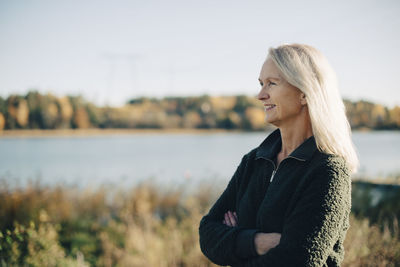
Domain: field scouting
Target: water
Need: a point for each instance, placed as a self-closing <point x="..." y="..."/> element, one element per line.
<point x="169" y="158"/>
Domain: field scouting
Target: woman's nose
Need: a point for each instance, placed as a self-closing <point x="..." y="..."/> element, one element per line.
<point x="263" y="95"/>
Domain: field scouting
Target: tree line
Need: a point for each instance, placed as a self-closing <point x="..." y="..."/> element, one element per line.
<point x="46" y="111"/>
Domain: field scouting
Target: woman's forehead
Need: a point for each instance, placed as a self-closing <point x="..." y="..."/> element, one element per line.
<point x="269" y="71"/>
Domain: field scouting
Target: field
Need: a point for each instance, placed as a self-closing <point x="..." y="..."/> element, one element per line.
<point x="147" y="225"/>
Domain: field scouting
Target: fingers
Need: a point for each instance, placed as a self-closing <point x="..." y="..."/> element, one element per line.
<point x="230" y="219"/>
<point x="233" y="218"/>
<point x="226" y="220"/>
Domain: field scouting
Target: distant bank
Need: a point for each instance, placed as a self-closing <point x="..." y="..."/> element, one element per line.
<point x="119" y="131"/>
<point x="105" y="132"/>
<point x="246" y="113"/>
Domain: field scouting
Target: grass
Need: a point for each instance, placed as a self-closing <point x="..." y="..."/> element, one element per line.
<point x="145" y="225"/>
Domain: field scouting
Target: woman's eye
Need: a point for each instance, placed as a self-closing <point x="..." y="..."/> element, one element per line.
<point x="271" y="83"/>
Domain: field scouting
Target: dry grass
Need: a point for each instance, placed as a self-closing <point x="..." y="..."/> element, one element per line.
<point x="368" y="245"/>
<point x="143" y="226"/>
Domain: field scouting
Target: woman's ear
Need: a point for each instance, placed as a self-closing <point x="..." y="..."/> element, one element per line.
<point x="303" y="99"/>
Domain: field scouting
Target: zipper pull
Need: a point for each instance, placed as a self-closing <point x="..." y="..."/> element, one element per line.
<point x="272" y="176"/>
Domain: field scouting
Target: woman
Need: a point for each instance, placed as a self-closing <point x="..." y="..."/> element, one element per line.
<point x="288" y="202"/>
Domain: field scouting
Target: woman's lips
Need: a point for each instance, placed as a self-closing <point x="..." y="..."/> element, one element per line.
<point x="269" y="106"/>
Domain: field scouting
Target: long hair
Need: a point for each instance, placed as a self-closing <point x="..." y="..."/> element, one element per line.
<point x="307" y="69"/>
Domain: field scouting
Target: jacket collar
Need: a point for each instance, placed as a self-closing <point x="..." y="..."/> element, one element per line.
<point x="270" y="147"/>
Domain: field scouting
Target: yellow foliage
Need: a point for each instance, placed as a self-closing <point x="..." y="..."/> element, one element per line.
<point x="256" y="117"/>
<point x="395" y="115"/>
<point x="234" y="117"/>
<point x="81" y="118"/>
<point x="191" y="120"/>
<point x="18" y="109"/>
<point x="66" y="110"/>
<point x="2" y="121"/>
<point x="223" y="102"/>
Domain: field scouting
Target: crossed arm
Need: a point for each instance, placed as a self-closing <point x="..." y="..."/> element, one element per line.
<point x="263" y="242"/>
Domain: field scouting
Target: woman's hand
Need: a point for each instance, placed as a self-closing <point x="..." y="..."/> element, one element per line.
<point x="230" y="219"/>
<point x="265" y="241"/>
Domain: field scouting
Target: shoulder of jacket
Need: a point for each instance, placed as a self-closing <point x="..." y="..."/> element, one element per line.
<point x="330" y="164"/>
<point x="251" y="155"/>
<point x="330" y="161"/>
<point x="248" y="159"/>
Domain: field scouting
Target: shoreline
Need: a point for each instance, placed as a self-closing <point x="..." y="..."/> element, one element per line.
<point x="39" y="133"/>
<point x="29" y="133"/>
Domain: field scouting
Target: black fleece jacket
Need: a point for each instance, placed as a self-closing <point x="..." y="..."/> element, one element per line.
<point x="308" y="201"/>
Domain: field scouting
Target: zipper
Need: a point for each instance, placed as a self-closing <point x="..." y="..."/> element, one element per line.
<point x="274" y="171"/>
<point x="272" y="176"/>
<point x="276" y="168"/>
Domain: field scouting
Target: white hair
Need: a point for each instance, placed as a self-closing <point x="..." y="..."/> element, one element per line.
<point x="307" y="69"/>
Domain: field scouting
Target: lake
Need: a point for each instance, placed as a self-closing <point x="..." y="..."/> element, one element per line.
<point x="170" y="158"/>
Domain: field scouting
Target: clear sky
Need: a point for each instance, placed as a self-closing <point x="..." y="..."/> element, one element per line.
<point x="111" y="51"/>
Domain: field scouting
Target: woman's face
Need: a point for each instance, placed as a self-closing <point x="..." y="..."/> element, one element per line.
<point x="282" y="101"/>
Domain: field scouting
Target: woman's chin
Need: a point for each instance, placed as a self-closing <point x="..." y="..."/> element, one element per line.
<point x="270" y="120"/>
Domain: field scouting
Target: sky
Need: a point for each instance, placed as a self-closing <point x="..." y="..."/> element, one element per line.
<point x="113" y="51"/>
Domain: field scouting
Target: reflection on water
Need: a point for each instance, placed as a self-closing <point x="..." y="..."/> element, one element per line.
<point x="166" y="157"/>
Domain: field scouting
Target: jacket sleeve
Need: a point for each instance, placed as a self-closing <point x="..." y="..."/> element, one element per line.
<point x="314" y="225"/>
<point x="217" y="240"/>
